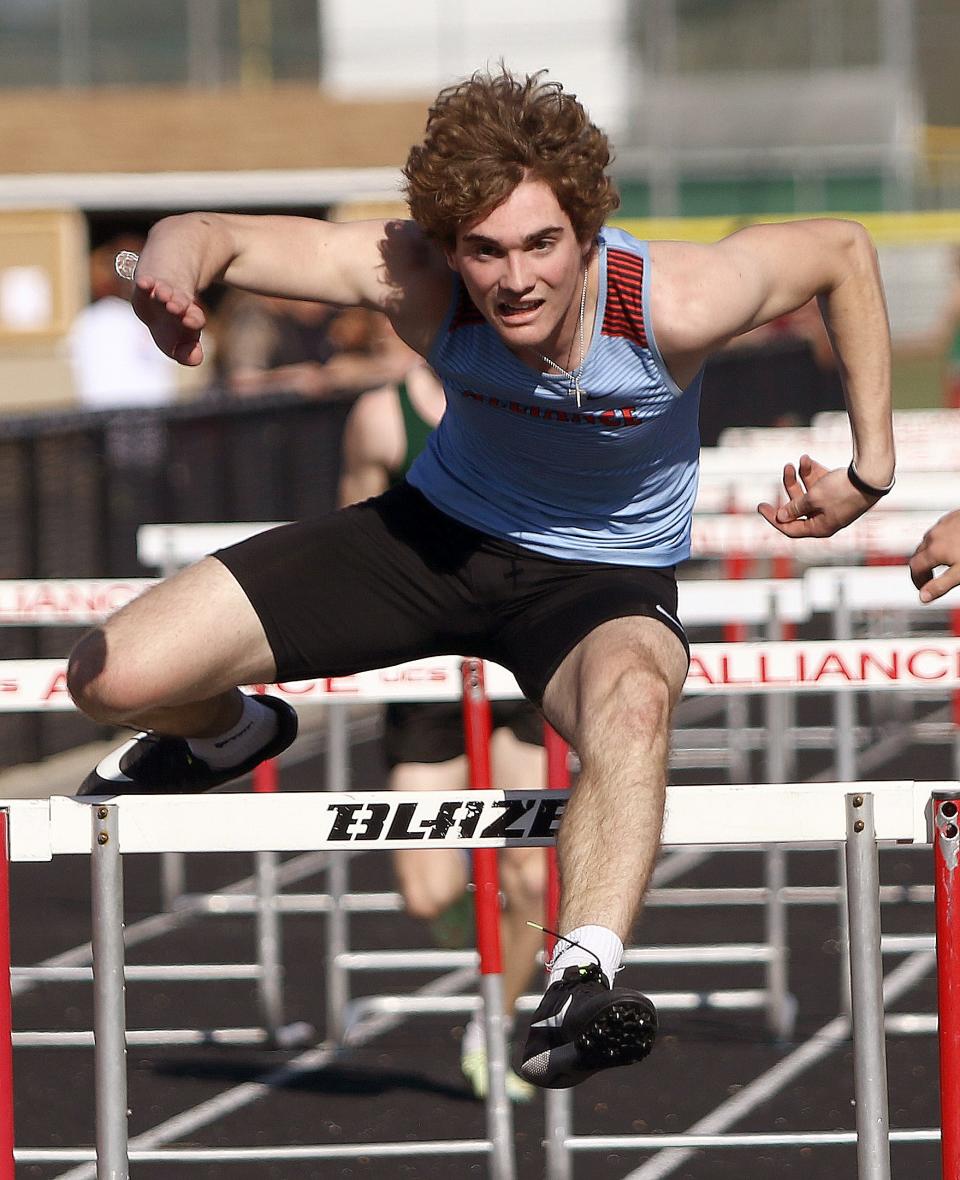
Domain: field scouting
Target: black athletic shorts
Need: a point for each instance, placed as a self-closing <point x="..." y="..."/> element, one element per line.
<point x="394" y="579"/>
<point x="419" y="731"/>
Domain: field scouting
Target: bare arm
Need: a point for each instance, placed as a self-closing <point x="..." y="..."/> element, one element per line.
<point x="713" y="293"/>
<point x="373" y="445"/>
<point x="940" y="546"/>
<point x="386" y="266"/>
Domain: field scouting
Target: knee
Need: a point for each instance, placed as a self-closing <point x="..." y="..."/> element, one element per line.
<point x="430" y="882"/>
<point x="632" y="711"/>
<point x="524" y="879"/>
<point x="99" y="688"/>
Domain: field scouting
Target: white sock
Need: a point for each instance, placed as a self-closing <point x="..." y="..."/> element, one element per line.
<point x="257" y="725"/>
<point x="604" y="944"/>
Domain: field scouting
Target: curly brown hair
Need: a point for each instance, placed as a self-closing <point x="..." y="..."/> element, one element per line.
<point x="486" y="134"/>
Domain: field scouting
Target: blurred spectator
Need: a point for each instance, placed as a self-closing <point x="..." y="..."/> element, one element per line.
<point x="268" y="345"/>
<point x="424" y="743"/>
<point x="114" y="360"/>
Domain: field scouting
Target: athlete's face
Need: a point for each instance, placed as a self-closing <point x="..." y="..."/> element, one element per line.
<point x="523" y="267"/>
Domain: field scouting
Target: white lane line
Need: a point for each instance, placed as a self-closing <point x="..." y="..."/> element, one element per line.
<point x="820" y="1045"/>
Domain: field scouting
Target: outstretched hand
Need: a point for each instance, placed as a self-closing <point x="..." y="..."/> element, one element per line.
<point x="820" y="501"/>
<point x="173" y="316"/>
<point x="940" y="546"/>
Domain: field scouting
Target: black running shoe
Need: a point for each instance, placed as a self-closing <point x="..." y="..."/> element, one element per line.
<point x="151" y="763"/>
<point x="582" y="1026"/>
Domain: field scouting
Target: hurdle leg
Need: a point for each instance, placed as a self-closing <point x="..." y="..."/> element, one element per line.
<point x="845" y="768"/>
<point x="781" y="1007"/>
<point x="268" y="931"/>
<point x="558" y="1104"/>
<point x="7" y="1168"/>
<point x="866" y="988"/>
<point x="337" y="979"/>
<point x="946" y="853"/>
<point x="486" y="900"/>
<point x="109" y="1003"/>
<point x="173" y="879"/>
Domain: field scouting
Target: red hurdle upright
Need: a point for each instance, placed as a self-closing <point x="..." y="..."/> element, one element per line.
<point x="6" y="1009"/>
<point x="558" y="779"/>
<point x="946" y="852"/>
<point x="478" y="726"/>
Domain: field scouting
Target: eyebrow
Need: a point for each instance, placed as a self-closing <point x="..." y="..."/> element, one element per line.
<point x="534" y="237"/>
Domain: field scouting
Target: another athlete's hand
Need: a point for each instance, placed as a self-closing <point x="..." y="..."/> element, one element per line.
<point x="940" y="546"/>
<point x="173" y="316"/>
<point x="820" y="501"/>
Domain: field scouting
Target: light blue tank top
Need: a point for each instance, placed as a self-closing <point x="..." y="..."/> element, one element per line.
<point x="614" y="481"/>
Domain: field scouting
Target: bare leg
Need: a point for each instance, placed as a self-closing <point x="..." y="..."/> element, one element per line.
<point x="171" y="659"/>
<point x="430" y="881"/>
<point x="612" y="698"/>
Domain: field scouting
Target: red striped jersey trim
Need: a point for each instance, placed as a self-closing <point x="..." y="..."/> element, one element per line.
<point x="465" y="314"/>
<point x="620" y="416"/>
<point x="623" y="314"/>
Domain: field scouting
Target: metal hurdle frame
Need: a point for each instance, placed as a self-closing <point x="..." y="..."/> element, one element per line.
<point x="715" y="668"/>
<point x="83" y="602"/>
<point x="785" y="813"/>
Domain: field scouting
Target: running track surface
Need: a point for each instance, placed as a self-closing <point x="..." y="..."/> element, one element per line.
<point x="405" y="1083"/>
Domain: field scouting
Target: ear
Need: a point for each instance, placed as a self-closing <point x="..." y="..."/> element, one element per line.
<point x="451" y="256"/>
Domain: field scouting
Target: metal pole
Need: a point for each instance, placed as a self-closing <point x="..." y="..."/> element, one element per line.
<point x="7" y="1169"/>
<point x="558" y="1104"/>
<point x="173" y="879"/>
<point x="109" y="1007"/>
<point x="946" y="852"/>
<point x="269" y="953"/>
<point x="845" y="741"/>
<point x="477" y="725"/>
<point x="780" y="1006"/>
<point x="338" y="884"/>
<point x="268" y="931"/>
<point x="866" y="988"/>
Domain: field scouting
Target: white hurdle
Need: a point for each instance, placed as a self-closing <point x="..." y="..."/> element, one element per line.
<point x="106" y="830"/>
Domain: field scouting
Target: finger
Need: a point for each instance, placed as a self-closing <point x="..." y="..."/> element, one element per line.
<point x="794" y="510"/>
<point x="791" y="484"/>
<point x="194" y="317"/>
<point x="793" y="528"/>
<point x="921" y="569"/>
<point x="937" y="587"/>
<point x="189" y="352"/>
<point x="811" y="471"/>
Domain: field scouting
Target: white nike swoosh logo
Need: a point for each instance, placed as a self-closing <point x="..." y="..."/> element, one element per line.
<point x="109" y="767"/>
<point x="667" y="615"/>
<point x="556" y="1019"/>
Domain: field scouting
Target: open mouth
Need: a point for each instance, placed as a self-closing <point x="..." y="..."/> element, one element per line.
<point x="519" y="311"/>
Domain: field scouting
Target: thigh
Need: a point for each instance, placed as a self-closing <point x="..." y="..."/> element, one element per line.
<point x="365" y="587"/>
<point x="563" y="603"/>
<point x="192" y="636"/>
<point x="617" y="687"/>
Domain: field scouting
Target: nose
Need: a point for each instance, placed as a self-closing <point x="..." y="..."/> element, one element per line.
<point x="517" y="278"/>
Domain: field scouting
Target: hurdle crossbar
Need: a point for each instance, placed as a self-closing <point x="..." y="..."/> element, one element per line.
<point x="846" y="813"/>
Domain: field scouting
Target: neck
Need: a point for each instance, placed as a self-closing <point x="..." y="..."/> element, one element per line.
<point x="563" y="345"/>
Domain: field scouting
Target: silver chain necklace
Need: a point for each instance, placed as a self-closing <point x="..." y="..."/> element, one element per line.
<point x="574" y="376"/>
